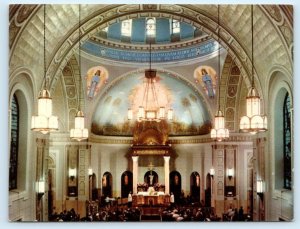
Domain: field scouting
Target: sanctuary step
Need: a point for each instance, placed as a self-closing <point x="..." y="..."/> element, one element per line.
<point x="150" y="213"/>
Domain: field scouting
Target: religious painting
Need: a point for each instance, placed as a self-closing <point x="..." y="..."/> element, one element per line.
<point x="126" y="184"/>
<point x="190" y="116"/>
<point x="175" y="185"/>
<point x="208" y="190"/>
<point x="206" y="76"/>
<point x="107" y="184"/>
<point x="195" y="187"/>
<point x="95" y="77"/>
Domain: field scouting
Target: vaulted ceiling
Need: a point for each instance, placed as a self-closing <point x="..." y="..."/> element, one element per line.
<point x="273" y="34"/>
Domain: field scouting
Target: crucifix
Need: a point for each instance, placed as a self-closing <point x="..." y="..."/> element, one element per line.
<point x="150" y="167"/>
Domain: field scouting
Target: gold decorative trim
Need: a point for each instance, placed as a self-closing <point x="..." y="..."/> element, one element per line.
<point x="173" y="140"/>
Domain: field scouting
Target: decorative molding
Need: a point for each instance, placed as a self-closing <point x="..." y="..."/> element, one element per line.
<point x="70" y="75"/>
<point x="144" y="47"/>
<point x="19" y="14"/>
<point x="203" y="22"/>
<point x="238" y="138"/>
<point x="180" y="53"/>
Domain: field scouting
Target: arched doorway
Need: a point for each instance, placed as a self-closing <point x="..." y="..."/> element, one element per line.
<point x="208" y="190"/>
<point x="126" y="183"/>
<point x="151" y="178"/>
<point x="195" y="187"/>
<point x="107" y="184"/>
<point x="93" y="187"/>
<point x="50" y="192"/>
<point x="175" y="185"/>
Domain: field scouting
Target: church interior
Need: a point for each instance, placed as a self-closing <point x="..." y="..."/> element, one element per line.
<point x="150" y="112"/>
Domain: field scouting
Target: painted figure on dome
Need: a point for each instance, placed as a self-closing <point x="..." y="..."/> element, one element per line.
<point x="208" y="84"/>
<point x="93" y="86"/>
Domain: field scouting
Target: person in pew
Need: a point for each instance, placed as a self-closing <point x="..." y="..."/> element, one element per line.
<point x="129" y="200"/>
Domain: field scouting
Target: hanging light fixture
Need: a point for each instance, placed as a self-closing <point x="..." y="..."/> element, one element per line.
<point x="150" y="110"/>
<point x="79" y="133"/>
<point x="253" y="122"/>
<point x="219" y="133"/>
<point x="44" y="122"/>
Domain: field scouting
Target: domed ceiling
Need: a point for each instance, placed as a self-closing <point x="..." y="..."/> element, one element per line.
<point x="171" y="40"/>
<point x="134" y="31"/>
<point x="190" y="114"/>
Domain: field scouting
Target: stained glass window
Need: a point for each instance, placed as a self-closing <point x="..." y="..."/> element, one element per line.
<point x="126" y="28"/>
<point x="14" y="140"/>
<point x="150" y="27"/>
<point x="287" y="142"/>
<point x="175" y="26"/>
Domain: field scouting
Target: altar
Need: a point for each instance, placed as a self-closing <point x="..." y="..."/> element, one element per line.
<point x="150" y="200"/>
<point x="150" y="149"/>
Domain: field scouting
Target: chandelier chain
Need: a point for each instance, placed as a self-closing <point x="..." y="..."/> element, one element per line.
<point x="252" y="59"/>
<point x="45" y="78"/>
<point x="219" y="63"/>
<point x="79" y="57"/>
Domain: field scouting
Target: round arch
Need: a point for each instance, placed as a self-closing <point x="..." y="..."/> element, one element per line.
<point x="195" y="187"/>
<point x="175" y="185"/>
<point x="200" y="19"/>
<point x="107" y="183"/>
<point x="279" y="87"/>
<point x="21" y="86"/>
<point x="126" y="183"/>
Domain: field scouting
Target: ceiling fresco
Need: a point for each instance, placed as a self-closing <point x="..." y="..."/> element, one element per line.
<point x="190" y="114"/>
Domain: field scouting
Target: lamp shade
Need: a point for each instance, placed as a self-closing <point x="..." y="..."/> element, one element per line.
<point x="253" y="103"/>
<point x="129" y="114"/>
<point x="219" y="120"/>
<point x="141" y="113"/>
<point x="44" y="122"/>
<point x="212" y="171"/>
<point x="161" y="114"/>
<point x="245" y="123"/>
<point x="259" y="186"/>
<point x="219" y="133"/>
<point x="44" y="103"/>
<point x="150" y="114"/>
<point x="79" y="133"/>
<point x="230" y="172"/>
<point x="170" y="114"/>
<point x="72" y="172"/>
<point x="40" y="187"/>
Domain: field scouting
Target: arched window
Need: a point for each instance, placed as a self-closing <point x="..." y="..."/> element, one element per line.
<point x="287" y="142"/>
<point x="126" y="28"/>
<point x="175" y="26"/>
<point x="175" y="185"/>
<point x="150" y="27"/>
<point x="14" y="143"/>
<point x="107" y="184"/>
<point x="195" y="186"/>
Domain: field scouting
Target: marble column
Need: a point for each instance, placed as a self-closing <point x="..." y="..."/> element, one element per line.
<point x="135" y="160"/>
<point x="167" y="174"/>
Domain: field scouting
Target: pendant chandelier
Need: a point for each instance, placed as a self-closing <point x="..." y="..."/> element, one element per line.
<point x="219" y="133"/>
<point x="150" y="110"/>
<point x="253" y="122"/>
<point x="44" y="122"/>
<point x="79" y="133"/>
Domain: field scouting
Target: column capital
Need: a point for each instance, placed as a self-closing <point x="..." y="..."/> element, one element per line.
<point x="135" y="158"/>
<point x="166" y="158"/>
